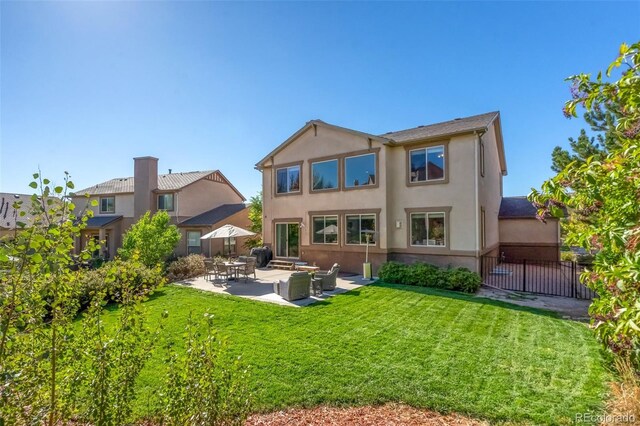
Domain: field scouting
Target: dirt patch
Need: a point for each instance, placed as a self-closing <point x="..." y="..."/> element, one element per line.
<point x="387" y="415"/>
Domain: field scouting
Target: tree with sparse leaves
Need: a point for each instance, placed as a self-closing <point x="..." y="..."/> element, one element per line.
<point x="255" y="216"/>
<point x="602" y="192"/>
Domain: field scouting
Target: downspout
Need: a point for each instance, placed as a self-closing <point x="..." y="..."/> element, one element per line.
<point x="476" y="147"/>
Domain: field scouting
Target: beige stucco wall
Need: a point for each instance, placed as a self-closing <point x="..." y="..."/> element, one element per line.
<point x="489" y="188"/>
<point x="309" y="146"/>
<point x="529" y="231"/>
<point x="124" y="205"/>
<point x="458" y="194"/>
<point x="202" y="196"/>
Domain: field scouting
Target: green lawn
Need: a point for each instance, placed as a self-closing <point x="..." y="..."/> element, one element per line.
<point x="427" y="348"/>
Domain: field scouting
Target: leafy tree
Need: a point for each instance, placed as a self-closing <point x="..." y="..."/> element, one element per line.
<point x="255" y="215"/>
<point x="153" y="237"/>
<point x="602" y="193"/>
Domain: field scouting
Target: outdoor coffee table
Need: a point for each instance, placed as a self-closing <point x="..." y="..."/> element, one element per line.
<point x="316" y="286"/>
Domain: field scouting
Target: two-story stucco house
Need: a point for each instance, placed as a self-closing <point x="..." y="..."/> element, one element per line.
<point x="430" y="193"/>
<point x="197" y="202"/>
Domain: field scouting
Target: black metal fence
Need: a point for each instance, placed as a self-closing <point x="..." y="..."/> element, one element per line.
<point x="555" y="278"/>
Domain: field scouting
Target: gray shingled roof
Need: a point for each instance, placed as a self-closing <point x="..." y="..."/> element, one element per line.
<point x="9" y="215"/>
<point x="459" y="125"/>
<point x="102" y="220"/>
<point x="168" y="182"/>
<point x="213" y="216"/>
<point x="517" y="207"/>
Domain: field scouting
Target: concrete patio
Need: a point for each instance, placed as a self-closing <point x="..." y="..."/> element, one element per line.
<point x="261" y="288"/>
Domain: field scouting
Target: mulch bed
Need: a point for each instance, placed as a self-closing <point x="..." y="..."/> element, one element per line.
<point x="387" y="415"/>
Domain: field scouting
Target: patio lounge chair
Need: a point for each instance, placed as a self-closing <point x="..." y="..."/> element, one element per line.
<point x="296" y="287"/>
<point x="329" y="277"/>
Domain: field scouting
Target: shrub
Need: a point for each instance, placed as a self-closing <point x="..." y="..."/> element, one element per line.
<point x="426" y="275"/>
<point x="394" y="272"/>
<point x="153" y="237"/>
<point x="567" y="256"/>
<point x="462" y="279"/>
<point x="186" y="267"/>
<point x="139" y="279"/>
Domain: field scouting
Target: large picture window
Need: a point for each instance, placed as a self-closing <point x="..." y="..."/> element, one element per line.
<point x="427" y="164"/>
<point x="288" y="180"/>
<point x="358" y="227"/>
<point x="325" y="229"/>
<point x="165" y="202"/>
<point x="107" y="204"/>
<point x="324" y="175"/>
<point x="428" y="229"/>
<point x="360" y="170"/>
<point x="194" y="244"/>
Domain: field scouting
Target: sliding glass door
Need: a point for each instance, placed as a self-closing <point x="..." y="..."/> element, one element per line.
<point x="287" y="239"/>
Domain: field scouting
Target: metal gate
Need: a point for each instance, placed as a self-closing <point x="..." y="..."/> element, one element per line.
<point x="555" y="278"/>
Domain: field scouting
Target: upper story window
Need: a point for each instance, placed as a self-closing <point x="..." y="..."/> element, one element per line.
<point x="325" y="229"/>
<point x="288" y="180"/>
<point x="360" y="170"/>
<point x="428" y="229"/>
<point x="324" y="175"/>
<point x="359" y="228"/>
<point x="427" y="164"/>
<point x="165" y="202"/>
<point x="107" y="204"/>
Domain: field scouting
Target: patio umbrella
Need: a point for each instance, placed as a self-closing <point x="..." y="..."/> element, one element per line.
<point x="329" y="230"/>
<point x="227" y="231"/>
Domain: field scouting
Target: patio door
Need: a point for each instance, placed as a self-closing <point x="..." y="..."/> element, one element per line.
<point x="287" y="239"/>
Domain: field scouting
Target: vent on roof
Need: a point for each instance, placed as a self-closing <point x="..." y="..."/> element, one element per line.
<point x="420" y="127"/>
<point x="456" y="119"/>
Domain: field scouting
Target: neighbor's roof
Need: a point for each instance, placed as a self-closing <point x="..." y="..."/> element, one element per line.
<point x="102" y="220"/>
<point x="8" y="215"/>
<point x="213" y="216"/>
<point x="479" y="123"/>
<point x="517" y="208"/>
<point x="167" y="182"/>
<point x="446" y="128"/>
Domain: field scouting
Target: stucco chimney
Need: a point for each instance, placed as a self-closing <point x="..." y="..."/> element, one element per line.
<point x="145" y="174"/>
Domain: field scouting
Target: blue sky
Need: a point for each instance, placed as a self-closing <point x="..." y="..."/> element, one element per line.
<point x="85" y="87"/>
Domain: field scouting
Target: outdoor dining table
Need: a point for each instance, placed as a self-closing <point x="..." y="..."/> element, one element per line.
<point x="235" y="266"/>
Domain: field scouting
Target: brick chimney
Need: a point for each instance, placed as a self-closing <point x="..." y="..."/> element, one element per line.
<point x="145" y="174"/>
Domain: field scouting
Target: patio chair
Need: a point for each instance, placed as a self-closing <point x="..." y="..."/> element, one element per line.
<point x="209" y="269"/>
<point x="249" y="268"/>
<point x="296" y="287"/>
<point x="222" y="270"/>
<point x="328" y="277"/>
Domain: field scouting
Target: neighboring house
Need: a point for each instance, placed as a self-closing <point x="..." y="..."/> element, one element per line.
<point x="523" y="236"/>
<point x="9" y="215"/>
<point x="196" y="201"/>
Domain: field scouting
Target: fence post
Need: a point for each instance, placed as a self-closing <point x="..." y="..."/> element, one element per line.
<point x="524" y="274"/>
<point x="574" y="278"/>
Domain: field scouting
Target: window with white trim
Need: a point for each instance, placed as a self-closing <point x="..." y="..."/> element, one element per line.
<point x="359" y="227"/>
<point x="428" y="229"/>
<point x="288" y="180"/>
<point x="194" y="243"/>
<point x="360" y="170"/>
<point x="325" y="229"/>
<point x="426" y="164"/>
<point x="107" y="204"/>
<point x="165" y="202"/>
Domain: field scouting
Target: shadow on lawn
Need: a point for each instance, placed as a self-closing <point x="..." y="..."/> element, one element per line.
<point x="466" y="297"/>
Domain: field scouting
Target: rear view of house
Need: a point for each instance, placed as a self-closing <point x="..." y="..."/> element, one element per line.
<point x="197" y="202"/>
<point x="430" y="193"/>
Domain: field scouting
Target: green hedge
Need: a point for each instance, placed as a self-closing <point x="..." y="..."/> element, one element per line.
<point x="425" y="275"/>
